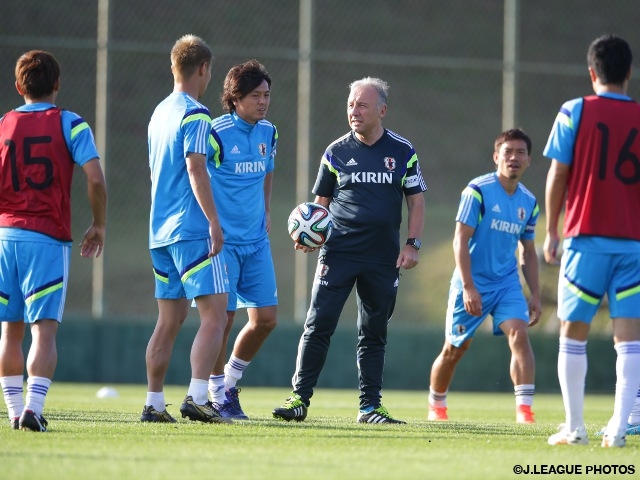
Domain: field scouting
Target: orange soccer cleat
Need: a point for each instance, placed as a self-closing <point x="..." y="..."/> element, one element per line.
<point x="524" y="414"/>
<point x="437" y="414"/>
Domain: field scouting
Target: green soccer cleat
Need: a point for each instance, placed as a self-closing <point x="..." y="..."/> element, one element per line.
<point x="377" y="415"/>
<point x="294" y="408"/>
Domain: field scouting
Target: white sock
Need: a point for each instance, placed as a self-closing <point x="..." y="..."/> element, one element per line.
<point x="216" y="388"/>
<point x="524" y="394"/>
<point x="12" y="389"/>
<point x="627" y="382"/>
<point x="233" y="371"/>
<point x="156" y="400"/>
<point x="37" y="388"/>
<point x="198" y="391"/>
<point x="437" y="399"/>
<point x="634" y="418"/>
<point x="572" y="372"/>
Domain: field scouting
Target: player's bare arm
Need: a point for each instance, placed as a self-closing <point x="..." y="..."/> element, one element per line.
<point x="268" y="183"/>
<point x="554" y="197"/>
<point x="471" y="297"/>
<point x="93" y="239"/>
<point x="201" y="185"/>
<point x="529" y="265"/>
<point x="409" y="257"/>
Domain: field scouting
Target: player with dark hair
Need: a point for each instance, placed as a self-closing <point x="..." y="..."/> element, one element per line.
<point x="40" y="144"/>
<point x="595" y="170"/>
<point x="496" y="216"/>
<point x="241" y="179"/>
<point x="364" y="177"/>
<point x="185" y="237"/>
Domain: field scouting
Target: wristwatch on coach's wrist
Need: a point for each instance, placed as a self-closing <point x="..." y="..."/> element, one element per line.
<point x="414" y="242"/>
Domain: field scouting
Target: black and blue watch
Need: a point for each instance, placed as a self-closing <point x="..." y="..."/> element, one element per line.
<point x="414" y="242"/>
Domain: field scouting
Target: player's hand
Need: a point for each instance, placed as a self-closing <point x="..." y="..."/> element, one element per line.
<point x="472" y="301"/>
<point x="550" y="248"/>
<point x="92" y="242"/>
<point x="408" y="258"/>
<point x="267" y="216"/>
<point x="303" y="248"/>
<point x="535" y="311"/>
<point x="217" y="239"/>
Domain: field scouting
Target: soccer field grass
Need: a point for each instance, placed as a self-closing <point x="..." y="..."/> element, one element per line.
<point x="91" y="438"/>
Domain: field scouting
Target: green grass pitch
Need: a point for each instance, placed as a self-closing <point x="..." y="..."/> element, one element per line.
<point x="91" y="438"/>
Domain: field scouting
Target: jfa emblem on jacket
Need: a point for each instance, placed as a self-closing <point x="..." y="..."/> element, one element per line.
<point x="323" y="270"/>
<point x="390" y="163"/>
<point x="262" y="148"/>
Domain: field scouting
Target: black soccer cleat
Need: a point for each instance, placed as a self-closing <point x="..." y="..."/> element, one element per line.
<point x="150" y="414"/>
<point x="294" y="408"/>
<point x="31" y="422"/>
<point x="206" y="413"/>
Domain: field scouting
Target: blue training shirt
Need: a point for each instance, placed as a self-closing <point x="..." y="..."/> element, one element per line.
<point x="244" y="155"/>
<point x="179" y="125"/>
<point x="500" y="220"/>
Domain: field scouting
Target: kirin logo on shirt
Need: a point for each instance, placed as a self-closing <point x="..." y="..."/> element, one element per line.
<point x="262" y="148"/>
<point x="390" y="163"/>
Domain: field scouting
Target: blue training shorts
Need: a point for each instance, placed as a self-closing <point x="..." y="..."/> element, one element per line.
<point x="184" y="270"/>
<point x="585" y="277"/>
<point x="33" y="280"/>
<point x="252" y="277"/>
<point x="502" y="304"/>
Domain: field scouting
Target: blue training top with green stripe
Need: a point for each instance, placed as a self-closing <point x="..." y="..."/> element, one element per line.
<point x="179" y="125"/>
<point x="244" y="155"/>
<point x="500" y="220"/>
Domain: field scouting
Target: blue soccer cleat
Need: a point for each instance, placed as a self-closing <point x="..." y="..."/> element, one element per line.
<point x="231" y="407"/>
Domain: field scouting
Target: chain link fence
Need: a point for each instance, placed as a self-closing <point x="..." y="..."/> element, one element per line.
<point x="442" y="60"/>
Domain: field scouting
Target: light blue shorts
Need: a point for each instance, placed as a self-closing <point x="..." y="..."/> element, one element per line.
<point x="184" y="270"/>
<point x="252" y="277"/>
<point x="33" y="280"/>
<point x="502" y="304"/>
<point x="585" y="277"/>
